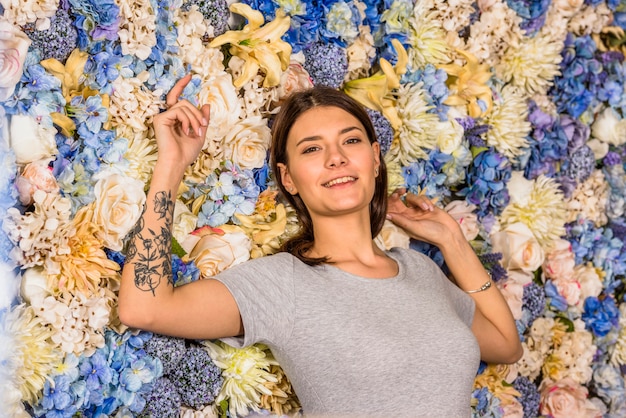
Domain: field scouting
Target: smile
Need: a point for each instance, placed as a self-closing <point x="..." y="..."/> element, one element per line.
<point x="340" y="180"/>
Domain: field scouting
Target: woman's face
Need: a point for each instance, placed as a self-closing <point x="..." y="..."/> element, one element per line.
<point x="332" y="165"/>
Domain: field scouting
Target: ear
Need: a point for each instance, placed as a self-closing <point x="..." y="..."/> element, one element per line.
<point x="285" y="179"/>
<point x="376" y="149"/>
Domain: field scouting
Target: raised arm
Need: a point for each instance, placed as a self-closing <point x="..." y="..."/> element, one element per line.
<point x="493" y="325"/>
<point x="147" y="297"/>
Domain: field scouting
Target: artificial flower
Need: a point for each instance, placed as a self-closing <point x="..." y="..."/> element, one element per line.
<point x="13" y="47"/>
<point x="498" y="378"/>
<point x="426" y="37"/>
<point x="137" y="28"/>
<point x="609" y="127"/>
<point x="34" y="284"/>
<point x="360" y="55"/>
<point x="118" y="205"/>
<point x="245" y="372"/>
<point x="184" y="221"/>
<point x="141" y="155"/>
<point x="260" y="47"/>
<point x="132" y="106"/>
<point x="589" y="200"/>
<point x="508" y="122"/>
<point x="266" y="226"/>
<point x="30" y="140"/>
<point x="566" y="398"/>
<point x="36" y="175"/>
<point x="29" y="11"/>
<point x="197" y="377"/>
<point x="590" y="280"/>
<point x="247" y="142"/>
<point x="468" y="85"/>
<point x="295" y="78"/>
<point x="219" y="92"/>
<point x="618" y="352"/>
<point x="283" y="399"/>
<point x="392" y="236"/>
<point x="519" y="247"/>
<point x="513" y="293"/>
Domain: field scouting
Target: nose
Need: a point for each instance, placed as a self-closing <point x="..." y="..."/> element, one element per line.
<point x="335" y="157"/>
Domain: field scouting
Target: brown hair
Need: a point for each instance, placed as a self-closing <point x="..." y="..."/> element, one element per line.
<point x="298" y="103"/>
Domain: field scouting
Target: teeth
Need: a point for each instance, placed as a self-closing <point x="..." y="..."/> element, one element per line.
<point x="339" y="181"/>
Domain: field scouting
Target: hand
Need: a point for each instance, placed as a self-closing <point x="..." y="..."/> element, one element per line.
<point x="180" y="130"/>
<point x="421" y="219"/>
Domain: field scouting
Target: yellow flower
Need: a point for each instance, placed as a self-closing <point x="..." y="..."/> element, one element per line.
<point x="427" y="37"/>
<point x="494" y="378"/>
<point x="245" y="371"/>
<point x="375" y="92"/>
<point x="283" y="399"/>
<point x="32" y="355"/>
<point x="260" y="47"/>
<point x="266" y="225"/>
<point x="542" y="211"/>
<point x="468" y="84"/>
<point x="86" y="265"/>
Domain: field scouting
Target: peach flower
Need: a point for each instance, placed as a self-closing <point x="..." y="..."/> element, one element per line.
<point x="519" y="247"/>
<point x="559" y="261"/>
<point x="35" y="176"/>
<point x="216" y="249"/>
<point x="566" y="399"/>
<point x="463" y="213"/>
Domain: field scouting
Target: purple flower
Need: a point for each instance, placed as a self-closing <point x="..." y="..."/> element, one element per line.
<point x="169" y="350"/>
<point x="580" y="164"/>
<point x="197" y="378"/>
<point x="327" y="64"/>
<point x="533" y="302"/>
<point x="577" y="132"/>
<point x="58" y="41"/>
<point x="473" y="131"/>
<point x="530" y="396"/>
<point x="384" y="131"/>
<point x="164" y="401"/>
<point x="491" y="262"/>
<point x="612" y="158"/>
<point x="215" y="11"/>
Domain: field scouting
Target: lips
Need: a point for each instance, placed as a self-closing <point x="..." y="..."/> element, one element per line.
<point x="340" y="180"/>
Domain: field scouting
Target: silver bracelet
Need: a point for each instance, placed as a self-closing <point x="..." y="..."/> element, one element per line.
<point x="482" y="288"/>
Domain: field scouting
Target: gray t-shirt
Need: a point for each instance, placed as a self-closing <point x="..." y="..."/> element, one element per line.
<point x="360" y="347"/>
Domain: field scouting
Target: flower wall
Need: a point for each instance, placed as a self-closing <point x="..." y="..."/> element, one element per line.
<point x="509" y="113"/>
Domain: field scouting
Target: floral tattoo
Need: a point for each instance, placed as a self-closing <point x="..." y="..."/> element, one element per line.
<point x="155" y="260"/>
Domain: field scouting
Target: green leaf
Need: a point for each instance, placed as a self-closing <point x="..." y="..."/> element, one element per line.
<point x="177" y="249"/>
<point x="565" y="321"/>
<point x="477" y="150"/>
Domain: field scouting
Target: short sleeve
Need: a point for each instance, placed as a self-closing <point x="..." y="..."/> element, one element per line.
<point x="264" y="292"/>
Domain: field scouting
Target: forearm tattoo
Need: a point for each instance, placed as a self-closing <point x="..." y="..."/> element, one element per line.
<point x="154" y="261"/>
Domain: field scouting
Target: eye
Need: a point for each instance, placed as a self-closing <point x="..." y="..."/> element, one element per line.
<point x="354" y="140"/>
<point x="310" y="149"/>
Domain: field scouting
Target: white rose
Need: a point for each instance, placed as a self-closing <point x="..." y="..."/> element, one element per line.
<point x="392" y="236"/>
<point x="450" y="136"/>
<point x="118" y="206"/>
<point x="463" y="213"/>
<point x="214" y="250"/>
<point x="609" y="128"/>
<point x="513" y="409"/>
<point x="30" y="140"/>
<point x="219" y="92"/>
<point x="520" y="276"/>
<point x="184" y="221"/>
<point x="519" y="188"/>
<point x="13" y="48"/>
<point x="247" y="142"/>
<point x="519" y="247"/>
<point x="599" y="148"/>
<point x="590" y="281"/>
<point x="34" y="284"/>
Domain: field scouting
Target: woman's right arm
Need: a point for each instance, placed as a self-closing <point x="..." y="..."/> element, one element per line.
<point x="147" y="299"/>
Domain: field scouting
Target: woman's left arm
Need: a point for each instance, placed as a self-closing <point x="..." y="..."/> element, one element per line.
<point x="493" y="325"/>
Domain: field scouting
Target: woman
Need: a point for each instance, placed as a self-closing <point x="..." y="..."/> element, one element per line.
<point x="359" y="331"/>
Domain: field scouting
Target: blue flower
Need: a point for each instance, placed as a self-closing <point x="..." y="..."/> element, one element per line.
<point x="383" y="129"/>
<point x="533" y="303"/>
<point x="164" y="401"/>
<point x="530" y="396"/>
<point x="340" y="23"/>
<point x="214" y="11"/>
<point x="326" y="63"/>
<point x="554" y="298"/>
<point x="487" y="405"/>
<point x="96" y="371"/>
<point x="168" y="350"/>
<point x="197" y="378"/>
<point x="183" y="273"/>
<point x="532" y="12"/>
<point x="600" y="315"/>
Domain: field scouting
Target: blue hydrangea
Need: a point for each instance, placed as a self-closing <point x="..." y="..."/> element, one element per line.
<point x="611" y="89"/>
<point x="262" y="176"/>
<point x="487" y="405"/>
<point x="164" y="401"/>
<point x="533" y="303"/>
<point x="103" y="68"/>
<point x="487" y="178"/>
<point x="8" y="193"/>
<point x="608" y="384"/>
<point x="327" y="64"/>
<point x="434" y="84"/>
<point x="554" y="300"/>
<point x="169" y="351"/>
<point x="58" y="399"/>
<point x="393" y="23"/>
<point x="616" y="178"/>
<point x="530" y="396"/>
<point x="425" y="176"/>
<point x="197" y="378"/>
<point x="532" y="12"/>
<point x="58" y="41"/>
<point x="340" y="23"/>
<point x="600" y="315"/>
<point x="184" y="272"/>
<point x="214" y="11"/>
<point x="383" y="129"/>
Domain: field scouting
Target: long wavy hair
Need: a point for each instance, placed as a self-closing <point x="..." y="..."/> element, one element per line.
<point x="298" y="103"/>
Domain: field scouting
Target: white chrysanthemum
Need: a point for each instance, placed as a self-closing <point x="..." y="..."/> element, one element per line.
<point x="42" y="234"/>
<point x="427" y="39"/>
<point x="26" y="355"/>
<point x="141" y="156"/>
<point x="589" y="200"/>
<point x="137" y="28"/>
<point x="497" y="28"/>
<point x="590" y="19"/>
<point x="509" y="124"/>
<point x="542" y="211"/>
<point x="245" y="372"/>
<point x="454" y="15"/>
<point x="418" y="129"/>
<point x="531" y="64"/>
<point x="132" y="106"/>
<point x="28" y="11"/>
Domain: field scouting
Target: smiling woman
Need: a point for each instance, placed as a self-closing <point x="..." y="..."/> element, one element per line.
<point x="324" y="304"/>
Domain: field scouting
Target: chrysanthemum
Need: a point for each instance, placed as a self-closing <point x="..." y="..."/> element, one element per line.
<point x="26" y="354"/>
<point x="283" y="399"/>
<point x="541" y="210"/>
<point x="426" y="37"/>
<point x="589" y="200"/>
<point x="86" y="264"/>
<point x="418" y="129"/>
<point x="531" y="64"/>
<point x="141" y="156"/>
<point x="245" y="372"/>
<point x="509" y="124"/>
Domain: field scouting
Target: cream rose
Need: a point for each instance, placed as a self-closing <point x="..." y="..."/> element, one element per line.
<point x="513" y="409"/>
<point x="519" y="248"/>
<point x="13" y="48"/>
<point x="450" y="136"/>
<point x="184" y="221"/>
<point x="31" y="141"/>
<point x="118" y="206"/>
<point x="590" y="281"/>
<point x="35" y="176"/>
<point x="219" y="92"/>
<point x="392" y="236"/>
<point x="214" y="250"/>
<point x="609" y="127"/>
<point x="247" y="142"/>
<point x="295" y="78"/>
<point x="34" y="284"/>
<point x="565" y="399"/>
<point x="560" y="260"/>
<point x="463" y="213"/>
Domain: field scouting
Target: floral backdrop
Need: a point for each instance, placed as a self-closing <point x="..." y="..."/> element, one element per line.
<point x="510" y="114"/>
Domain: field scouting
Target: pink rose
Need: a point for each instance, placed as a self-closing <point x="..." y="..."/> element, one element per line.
<point x="514" y="409"/>
<point x="295" y="78"/>
<point x="519" y="247"/>
<point x="569" y="288"/>
<point x="559" y="261"/>
<point x="35" y="176"/>
<point x="463" y="213"/>
<point x="566" y="399"/>
<point x="13" y="47"/>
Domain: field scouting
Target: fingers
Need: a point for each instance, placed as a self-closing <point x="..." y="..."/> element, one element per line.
<point x="173" y="95"/>
<point x="192" y="121"/>
<point x="412" y="200"/>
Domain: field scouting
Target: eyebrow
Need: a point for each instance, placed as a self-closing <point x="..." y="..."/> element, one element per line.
<point x="318" y="137"/>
